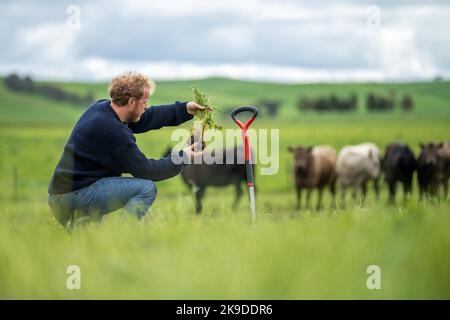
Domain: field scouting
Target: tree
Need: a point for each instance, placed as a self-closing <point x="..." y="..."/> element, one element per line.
<point x="271" y="106"/>
<point x="407" y="103"/>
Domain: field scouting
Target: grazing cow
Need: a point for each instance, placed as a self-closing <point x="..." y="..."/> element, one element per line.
<point x="355" y="166"/>
<point x="433" y="168"/>
<point x="314" y="167"/>
<point x="428" y="169"/>
<point x="444" y="166"/>
<point x="200" y="176"/>
<point x="398" y="165"/>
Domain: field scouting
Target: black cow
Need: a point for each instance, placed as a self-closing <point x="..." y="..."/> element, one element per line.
<point x="200" y="176"/>
<point x="398" y="165"/>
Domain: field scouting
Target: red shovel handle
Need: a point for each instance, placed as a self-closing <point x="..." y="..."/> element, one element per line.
<point x="244" y="127"/>
<point x="238" y="110"/>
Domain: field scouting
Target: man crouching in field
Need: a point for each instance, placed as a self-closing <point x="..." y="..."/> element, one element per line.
<point x="87" y="181"/>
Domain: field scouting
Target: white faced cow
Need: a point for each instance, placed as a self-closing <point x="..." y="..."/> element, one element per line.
<point x="355" y="166"/>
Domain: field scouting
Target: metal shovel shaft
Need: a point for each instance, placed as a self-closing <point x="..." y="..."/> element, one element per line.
<point x="251" y="189"/>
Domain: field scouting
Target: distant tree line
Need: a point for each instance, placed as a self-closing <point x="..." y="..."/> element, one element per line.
<point x="330" y="103"/>
<point x="379" y="103"/>
<point x="387" y="103"/>
<point x="26" y="84"/>
<point x="374" y="102"/>
<point x="270" y="107"/>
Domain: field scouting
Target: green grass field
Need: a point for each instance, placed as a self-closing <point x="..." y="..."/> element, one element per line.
<point x="173" y="254"/>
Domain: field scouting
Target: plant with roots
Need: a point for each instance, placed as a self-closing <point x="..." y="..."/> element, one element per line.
<point x="204" y="119"/>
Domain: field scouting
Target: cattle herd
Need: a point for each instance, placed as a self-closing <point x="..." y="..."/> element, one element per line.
<point x="355" y="166"/>
<point x="321" y="167"/>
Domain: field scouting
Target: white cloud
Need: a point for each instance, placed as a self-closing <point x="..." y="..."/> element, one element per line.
<point x="285" y="41"/>
<point x="400" y="55"/>
<point x="51" y="42"/>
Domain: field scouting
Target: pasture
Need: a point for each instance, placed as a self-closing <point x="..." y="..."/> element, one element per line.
<point x="174" y="254"/>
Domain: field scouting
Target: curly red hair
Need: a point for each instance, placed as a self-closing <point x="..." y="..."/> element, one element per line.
<point x="129" y="85"/>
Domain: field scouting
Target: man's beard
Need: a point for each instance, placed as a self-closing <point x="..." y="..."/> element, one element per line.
<point x="135" y="119"/>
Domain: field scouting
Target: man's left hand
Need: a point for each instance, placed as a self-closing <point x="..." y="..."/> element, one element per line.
<point x="192" y="107"/>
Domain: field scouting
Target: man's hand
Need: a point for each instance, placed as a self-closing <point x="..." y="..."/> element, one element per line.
<point x="193" y="151"/>
<point x="192" y="108"/>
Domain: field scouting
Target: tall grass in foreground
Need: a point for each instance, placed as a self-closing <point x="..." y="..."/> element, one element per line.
<point x="173" y="254"/>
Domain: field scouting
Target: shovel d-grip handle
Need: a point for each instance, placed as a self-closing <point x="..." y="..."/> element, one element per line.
<point x="238" y="110"/>
<point x="244" y="127"/>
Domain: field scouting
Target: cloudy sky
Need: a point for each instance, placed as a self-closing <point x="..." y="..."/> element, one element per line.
<point x="266" y="40"/>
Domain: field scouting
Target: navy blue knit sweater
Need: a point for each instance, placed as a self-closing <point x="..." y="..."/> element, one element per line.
<point x="100" y="146"/>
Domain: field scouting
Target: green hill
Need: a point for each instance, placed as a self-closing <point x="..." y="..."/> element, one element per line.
<point x="17" y="108"/>
<point x="428" y="96"/>
<point x="24" y="109"/>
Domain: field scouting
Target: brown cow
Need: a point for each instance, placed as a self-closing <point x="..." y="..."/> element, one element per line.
<point x="314" y="167"/>
<point x="444" y="166"/>
<point x="428" y="169"/>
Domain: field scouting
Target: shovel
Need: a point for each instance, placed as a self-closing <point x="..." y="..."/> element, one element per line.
<point x="248" y="165"/>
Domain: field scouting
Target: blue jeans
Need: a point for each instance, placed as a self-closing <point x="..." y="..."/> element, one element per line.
<point x="104" y="196"/>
